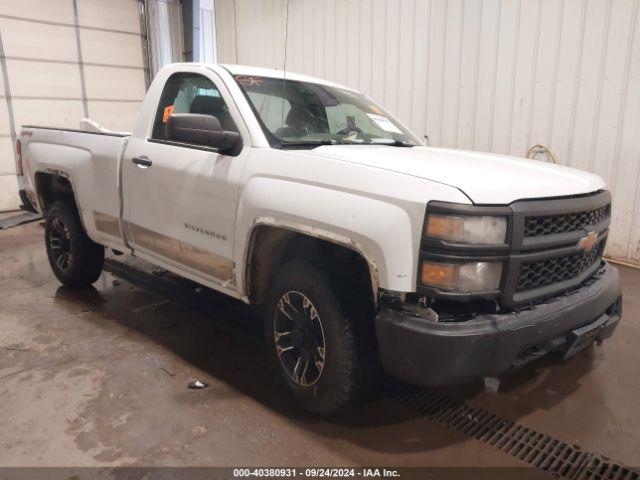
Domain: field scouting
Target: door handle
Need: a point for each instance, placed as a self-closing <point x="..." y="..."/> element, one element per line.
<point x="142" y="161"/>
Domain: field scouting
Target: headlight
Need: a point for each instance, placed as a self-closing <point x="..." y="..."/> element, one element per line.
<point x="485" y="230"/>
<point x="462" y="277"/>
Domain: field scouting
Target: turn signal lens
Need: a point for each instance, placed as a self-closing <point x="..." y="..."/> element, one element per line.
<point x="462" y="277"/>
<point x="439" y="274"/>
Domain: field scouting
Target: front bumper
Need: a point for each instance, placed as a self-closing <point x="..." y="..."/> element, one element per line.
<point x="446" y="353"/>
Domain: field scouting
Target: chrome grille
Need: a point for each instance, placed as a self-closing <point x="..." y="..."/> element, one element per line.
<point x="549" y="271"/>
<point x="569" y="222"/>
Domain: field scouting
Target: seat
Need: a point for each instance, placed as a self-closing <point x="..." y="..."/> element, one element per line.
<point x="300" y="122"/>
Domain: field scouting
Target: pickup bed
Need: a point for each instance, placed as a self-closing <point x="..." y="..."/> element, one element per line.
<point x="363" y="246"/>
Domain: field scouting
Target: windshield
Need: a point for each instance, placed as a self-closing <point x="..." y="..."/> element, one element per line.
<point x="294" y="113"/>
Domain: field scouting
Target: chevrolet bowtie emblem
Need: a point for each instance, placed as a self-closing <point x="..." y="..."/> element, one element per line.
<point x="588" y="242"/>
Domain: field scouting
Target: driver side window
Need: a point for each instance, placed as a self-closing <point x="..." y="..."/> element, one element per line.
<point x="190" y="93"/>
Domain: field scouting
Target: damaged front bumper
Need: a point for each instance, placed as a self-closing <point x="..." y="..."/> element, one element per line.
<point x="425" y="352"/>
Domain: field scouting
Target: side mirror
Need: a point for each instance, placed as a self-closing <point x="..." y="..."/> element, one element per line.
<point x="201" y="130"/>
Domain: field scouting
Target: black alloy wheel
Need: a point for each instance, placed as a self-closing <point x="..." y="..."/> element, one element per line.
<point x="299" y="338"/>
<point x="312" y="341"/>
<point x="60" y="244"/>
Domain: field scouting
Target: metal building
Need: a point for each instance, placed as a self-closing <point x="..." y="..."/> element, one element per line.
<point x="65" y="60"/>
<point x="490" y="75"/>
<point x="62" y="61"/>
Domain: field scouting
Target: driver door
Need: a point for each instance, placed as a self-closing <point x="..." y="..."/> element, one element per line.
<point x="180" y="199"/>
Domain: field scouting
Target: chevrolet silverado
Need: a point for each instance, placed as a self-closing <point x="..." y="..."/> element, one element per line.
<point x="362" y="246"/>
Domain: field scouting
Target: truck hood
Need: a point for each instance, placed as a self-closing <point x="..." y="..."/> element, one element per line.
<point x="486" y="178"/>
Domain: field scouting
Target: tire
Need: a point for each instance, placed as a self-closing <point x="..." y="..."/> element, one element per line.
<point x="75" y="259"/>
<point x="300" y="290"/>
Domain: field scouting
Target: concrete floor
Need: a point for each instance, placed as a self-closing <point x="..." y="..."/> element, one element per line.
<point x="100" y="378"/>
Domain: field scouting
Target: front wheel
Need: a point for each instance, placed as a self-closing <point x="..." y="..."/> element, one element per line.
<point x="75" y="259"/>
<point x="311" y="341"/>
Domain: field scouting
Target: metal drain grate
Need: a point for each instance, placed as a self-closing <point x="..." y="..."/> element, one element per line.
<point x="548" y="454"/>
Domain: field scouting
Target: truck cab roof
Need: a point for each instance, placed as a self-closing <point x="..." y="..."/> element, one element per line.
<point x="280" y="74"/>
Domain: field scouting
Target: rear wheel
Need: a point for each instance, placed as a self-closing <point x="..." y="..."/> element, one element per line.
<point x="75" y="259"/>
<point x="311" y="341"/>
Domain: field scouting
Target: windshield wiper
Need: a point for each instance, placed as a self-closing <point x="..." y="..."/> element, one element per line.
<point x="306" y="143"/>
<point x="317" y="143"/>
<point x="395" y="143"/>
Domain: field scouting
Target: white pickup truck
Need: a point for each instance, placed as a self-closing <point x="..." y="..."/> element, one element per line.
<point x="364" y="246"/>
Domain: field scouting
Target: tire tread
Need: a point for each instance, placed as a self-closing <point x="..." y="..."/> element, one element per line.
<point x="346" y="384"/>
<point x="88" y="256"/>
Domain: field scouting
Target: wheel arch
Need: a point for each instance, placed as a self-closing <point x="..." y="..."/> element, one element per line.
<point x="272" y="242"/>
<point x="53" y="185"/>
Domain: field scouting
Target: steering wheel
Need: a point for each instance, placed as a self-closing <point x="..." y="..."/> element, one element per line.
<point x="346" y="131"/>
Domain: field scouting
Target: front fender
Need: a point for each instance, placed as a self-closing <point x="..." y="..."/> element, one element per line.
<point x="384" y="230"/>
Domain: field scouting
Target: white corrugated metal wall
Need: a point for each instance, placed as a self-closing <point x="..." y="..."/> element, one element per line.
<point x="490" y="75"/>
<point x="64" y="60"/>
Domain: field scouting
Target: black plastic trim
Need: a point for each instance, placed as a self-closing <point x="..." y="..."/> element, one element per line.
<point x="200" y="147"/>
<point x="509" y="295"/>
<point x="517" y="249"/>
<point x="26" y="202"/>
<point x="426" y="352"/>
<point x="559" y="206"/>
